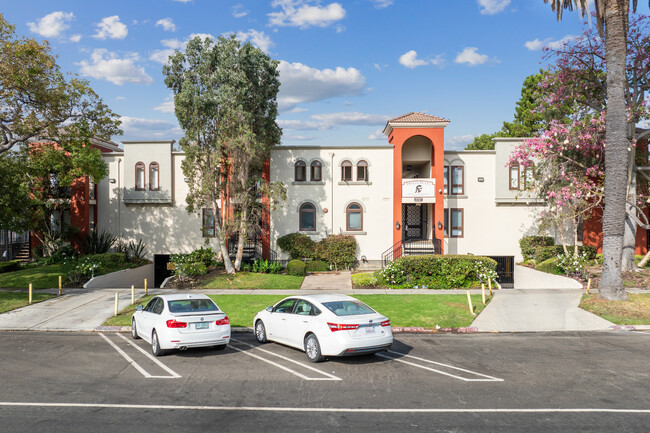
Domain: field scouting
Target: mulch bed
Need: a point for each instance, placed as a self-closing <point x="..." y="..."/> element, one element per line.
<point x="190" y="283"/>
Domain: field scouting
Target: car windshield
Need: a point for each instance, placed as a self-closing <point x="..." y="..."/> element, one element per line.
<point x="348" y="308"/>
<point x="192" y="305"/>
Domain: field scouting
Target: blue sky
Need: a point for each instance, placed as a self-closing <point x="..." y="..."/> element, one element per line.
<point x="346" y="67"/>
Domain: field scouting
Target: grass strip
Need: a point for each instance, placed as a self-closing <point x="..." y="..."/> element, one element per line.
<point x="251" y="280"/>
<point x="634" y="311"/>
<point x="124" y="317"/>
<point x="41" y="277"/>
<point x="13" y="300"/>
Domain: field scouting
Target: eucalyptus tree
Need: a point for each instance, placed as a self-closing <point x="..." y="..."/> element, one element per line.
<point x="612" y="21"/>
<point x="225" y="101"/>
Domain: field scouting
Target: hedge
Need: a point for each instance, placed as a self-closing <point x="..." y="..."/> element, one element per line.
<point x="317" y="266"/>
<point x="545" y="253"/>
<point x="296" y="267"/>
<point x="439" y="271"/>
<point x="530" y="244"/>
<point x="9" y="266"/>
<point x="298" y="245"/>
<point x="340" y="251"/>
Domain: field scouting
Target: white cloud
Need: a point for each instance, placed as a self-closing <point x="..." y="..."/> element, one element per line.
<point x="167" y="24"/>
<point x="291" y="137"/>
<point x="537" y="45"/>
<point x="410" y="60"/>
<point x="75" y="38"/>
<point x="111" y="27"/>
<point x="470" y="56"/>
<point x="120" y="98"/>
<point x="319" y="122"/>
<point x="491" y="7"/>
<point x="167" y="106"/>
<point x="183" y="1"/>
<point x="107" y="66"/>
<point x="260" y="39"/>
<point x="52" y="25"/>
<point x="458" y="142"/>
<point x="137" y="128"/>
<point x="300" y="13"/>
<point x="380" y="4"/>
<point x="238" y="11"/>
<point x="171" y="45"/>
<point x="300" y="83"/>
<point x="377" y="135"/>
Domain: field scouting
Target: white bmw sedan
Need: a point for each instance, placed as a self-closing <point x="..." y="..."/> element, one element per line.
<point x="324" y="325"/>
<point x="181" y="321"/>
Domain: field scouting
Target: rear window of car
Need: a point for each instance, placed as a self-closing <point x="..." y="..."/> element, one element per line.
<point x="348" y="308"/>
<point x="192" y="305"/>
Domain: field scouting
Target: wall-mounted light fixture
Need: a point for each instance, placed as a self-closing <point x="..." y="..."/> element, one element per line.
<point x="397" y="226"/>
<point x="480" y="179"/>
<point x="440" y="191"/>
<point x="112" y="180"/>
<point x="439" y="225"/>
<point x="187" y="179"/>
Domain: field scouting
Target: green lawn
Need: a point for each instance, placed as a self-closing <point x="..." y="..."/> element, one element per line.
<point x="403" y="310"/>
<point x="634" y="311"/>
<point x="12" y="300"/>
<point x="250" y="280"/>
<point x="41" y="277"/>
<point x="124" y="316"/>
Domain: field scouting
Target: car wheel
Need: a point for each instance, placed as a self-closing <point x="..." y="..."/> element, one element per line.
<point x="219" y="347"/>
<point x="134" y="330"/>
<point x="312" y="349"/>
<point x="260" y="332"/>
<point x="155" y="345"/>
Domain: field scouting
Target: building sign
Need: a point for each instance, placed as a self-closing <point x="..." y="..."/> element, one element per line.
<point x="418" y="190"/>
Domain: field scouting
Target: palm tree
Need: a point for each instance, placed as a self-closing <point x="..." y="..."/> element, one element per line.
<point x="612" y="19"/>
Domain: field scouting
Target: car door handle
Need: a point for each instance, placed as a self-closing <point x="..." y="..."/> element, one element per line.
<point x="305" y="321"/>
<point x="284" y="318"/>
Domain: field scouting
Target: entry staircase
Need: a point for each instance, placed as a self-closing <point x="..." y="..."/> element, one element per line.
<point x="415" y="247"/>
<point x="252" y="251"/>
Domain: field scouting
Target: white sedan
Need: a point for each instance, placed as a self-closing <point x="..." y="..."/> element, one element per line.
<point x="324" y="325"/>
<point x="181" y="321"/>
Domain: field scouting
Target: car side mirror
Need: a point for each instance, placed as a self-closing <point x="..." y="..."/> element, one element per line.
<point x="138" y="308"/>
<point x="269" y="309"/>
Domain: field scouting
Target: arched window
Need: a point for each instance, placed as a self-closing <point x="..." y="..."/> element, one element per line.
<point x="514" y="176"/>
<point x="307" y="217"/>
<point x="354" y="217"/>
<point x="154" y="179"/>
<point x="528" y="177"/>
<point x="300" y="171"/>
<point x="316" y="171"/>
<point x="139" y="176"/>
<point x="362" y="171"/>
<point x="346" y="171"/>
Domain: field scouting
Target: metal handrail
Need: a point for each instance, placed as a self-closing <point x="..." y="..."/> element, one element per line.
<point x="411" y="248"/>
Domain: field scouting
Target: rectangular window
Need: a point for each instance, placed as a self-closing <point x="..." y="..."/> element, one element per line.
<point x="514" y="177"/>
<point x="446" y="179"/>
<point x="457" y="223"/>
<point x="346" y="173"/>
<point x="301" y="173"/>
<point x="446" y="229"/>
<point x="528" y="177"/>
<point x="362" y="173"/>
<point x="316" y="173"/>
<point x="208" y="223"/>
<point x="457" y="180"/>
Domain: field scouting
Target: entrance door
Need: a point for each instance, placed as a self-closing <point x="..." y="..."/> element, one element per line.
<point x="414" y="221"/>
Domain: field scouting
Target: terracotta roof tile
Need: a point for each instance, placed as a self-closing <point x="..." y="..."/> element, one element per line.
<point x="414" y="117"/>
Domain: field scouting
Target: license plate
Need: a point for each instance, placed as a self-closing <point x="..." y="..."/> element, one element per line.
<point x="201" y="325"/>
<point x="370" y="330"/>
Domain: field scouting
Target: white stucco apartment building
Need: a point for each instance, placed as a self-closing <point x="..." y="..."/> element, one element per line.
<point x="409" y="192"/>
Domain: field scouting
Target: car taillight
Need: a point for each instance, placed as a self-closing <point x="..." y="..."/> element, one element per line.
<point x="385" y="323"/>
<point x="174" y="324"/>
<point x="341" y="327"/>
<point x="224" y="321"/>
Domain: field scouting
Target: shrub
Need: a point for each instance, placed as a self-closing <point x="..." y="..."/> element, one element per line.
<point x="572" y="265"/>
<point x="205" y="255"/>
<point x="317" y="266"/>
<point x="61" y="254"/>
<point x="77" y="269"/>
<point x="338" y="250"/>
<point x="365" y="279"/>
<point x="298" y="245"/>
<point x="98" y="243"/>
<point x="186" y="265"/>
<point x="296" y="267"/>
<point x="545" y="253"/>
<point x="530" y="244"/>
<point x="10" y="266"/>
<point x="136" y="252"/>
<point x="260" y="266"/>
<point x="440" y="272"/>
<point x="549" y="266"/>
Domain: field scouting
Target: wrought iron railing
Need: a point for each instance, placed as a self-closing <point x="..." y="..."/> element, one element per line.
<point x="411" y="248"/>
<point x="12" y="244"/>
<point x="253" y="250"/>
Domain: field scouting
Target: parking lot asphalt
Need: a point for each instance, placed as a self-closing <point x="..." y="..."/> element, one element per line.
<point x="523" y="382"/>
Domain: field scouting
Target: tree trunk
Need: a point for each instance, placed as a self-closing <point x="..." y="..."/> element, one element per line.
<point x="629" y="237"/>
<point x="576" y="220"/>
<point x="645" y="259"/>
<point x="221" y="243"/>
<point x="242" y="238"/>
<point x="616" y="156"/>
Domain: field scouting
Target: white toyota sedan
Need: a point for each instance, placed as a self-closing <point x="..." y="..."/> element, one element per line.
<point x="324" y="325"/>
<point x="181" y="321"/>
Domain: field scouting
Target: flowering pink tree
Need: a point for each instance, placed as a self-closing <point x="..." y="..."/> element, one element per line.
<point x="578" y="76"/>
<point x="568" y="161"/>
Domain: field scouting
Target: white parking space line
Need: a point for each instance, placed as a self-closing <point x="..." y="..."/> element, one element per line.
<point x="482" y="377"/>
<point x="150" y="356"/>
<point x="323" y="409"/>
<point x="133" y="363"/>
<point x="302" y="376"/>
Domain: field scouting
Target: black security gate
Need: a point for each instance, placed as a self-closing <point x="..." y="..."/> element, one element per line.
<point x="414" y="222"/>
<point x="160" y="269"/>
<point x="505" y="270"/>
